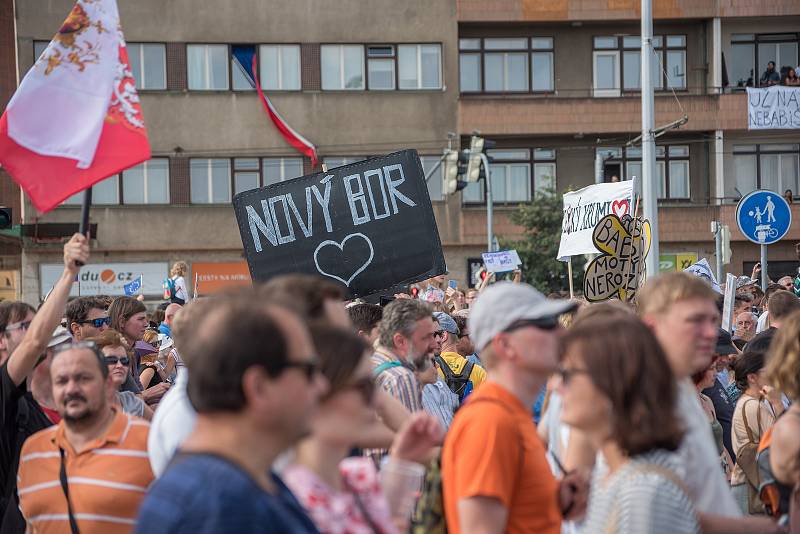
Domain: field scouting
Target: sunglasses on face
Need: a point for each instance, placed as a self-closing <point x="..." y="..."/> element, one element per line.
<point x="24" y="325"/>
<point x="99" y="322"/>
<point x="112" y="360"/>
<point x="544" y="323"/>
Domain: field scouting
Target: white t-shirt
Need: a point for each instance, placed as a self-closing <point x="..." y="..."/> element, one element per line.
<point x="709" y="490"/>
<point x="763" y="322"/>
<point x="180" y="289"/>
<point x="173" y="422"/>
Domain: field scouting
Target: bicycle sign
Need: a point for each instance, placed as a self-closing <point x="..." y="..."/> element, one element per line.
<point x="763" y="217"/>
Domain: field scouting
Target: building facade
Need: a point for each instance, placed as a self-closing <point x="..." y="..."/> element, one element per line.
<point x="554" y="83"/>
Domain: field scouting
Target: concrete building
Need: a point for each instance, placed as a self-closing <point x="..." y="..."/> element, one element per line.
<point x="553" y="82"/>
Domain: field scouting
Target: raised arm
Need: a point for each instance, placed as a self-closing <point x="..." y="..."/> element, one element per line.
<point x="24" y="358"/>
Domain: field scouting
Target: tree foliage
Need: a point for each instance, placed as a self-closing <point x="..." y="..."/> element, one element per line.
<point x="541" y="221"/>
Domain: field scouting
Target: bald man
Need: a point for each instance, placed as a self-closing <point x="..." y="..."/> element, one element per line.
<point x="169" y="315"/>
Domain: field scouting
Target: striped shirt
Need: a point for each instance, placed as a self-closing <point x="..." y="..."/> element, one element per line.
<point x="439" y="401"/>
<point x="641" y="498"/>
<point x="107" y="480"/>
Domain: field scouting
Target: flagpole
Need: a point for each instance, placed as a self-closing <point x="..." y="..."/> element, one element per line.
<point x="83" y="228"/>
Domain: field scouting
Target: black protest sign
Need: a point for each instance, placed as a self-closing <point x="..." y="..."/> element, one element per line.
<point x="617" y="272"/>
<point x="368" y="226"/>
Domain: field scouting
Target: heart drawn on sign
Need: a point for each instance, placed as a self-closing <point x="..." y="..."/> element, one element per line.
<point x="620" y="207"/>
<point x="340" y="246"/>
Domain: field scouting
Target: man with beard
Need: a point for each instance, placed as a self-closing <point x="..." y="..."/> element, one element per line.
<point x="90" y="472"/>
<point x="406" y="340"/>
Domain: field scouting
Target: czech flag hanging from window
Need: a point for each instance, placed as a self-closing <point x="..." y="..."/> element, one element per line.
<point x="75" y="118"/>
<point x="244" y="57"/>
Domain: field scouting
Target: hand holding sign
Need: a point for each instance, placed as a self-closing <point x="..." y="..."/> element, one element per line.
<point x="624" y="244"/>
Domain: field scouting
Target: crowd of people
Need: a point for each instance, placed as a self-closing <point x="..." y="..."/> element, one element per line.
<point x="286" y="408"/>
<point x="785" y="76"/>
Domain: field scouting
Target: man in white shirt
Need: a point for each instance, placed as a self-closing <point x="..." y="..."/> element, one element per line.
<point x="682" y="312"/>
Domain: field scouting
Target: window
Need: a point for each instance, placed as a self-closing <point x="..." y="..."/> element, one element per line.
<point x="618" y="64"/>
<point x="380" y="67"/>
<point x="342" y="67"/>
<point x="208" y="67"/>
<point x="241" y="67"/>
<point x="772" y="167"/>
<point x="147" y="183"/>
<point x="103" y="193"/>
<point x="419" y="66"/>
<point x="210" y="181"/>
<point x="435" y="181"/>
<point x="279" y="67"/>
<point x="672" y="167"/>
<point x="333" y="162"/>
<point x="245" y="174"/>
<point x="750" y="54"/>
<point x="277" y="170"/>
<point x="506" y="65"/>
<point x="511" y="176"/>
<point x="148" y="63"/>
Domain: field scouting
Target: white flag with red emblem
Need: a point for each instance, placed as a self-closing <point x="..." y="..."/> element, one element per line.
<point x="75" y="118"/>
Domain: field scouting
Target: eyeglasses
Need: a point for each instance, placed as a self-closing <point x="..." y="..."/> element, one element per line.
<point x="112" y="360"/>
<point x="309" y="368"/>
<point x="568" y="374"/>
<point x="97" y="323"/>
<point x="24" y="325"/>
<point x="544" y="323"/>
<point x="365" y="386"/>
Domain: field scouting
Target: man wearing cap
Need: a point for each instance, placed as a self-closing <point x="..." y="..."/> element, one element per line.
<point x="494" y="470"/>
<point x="451" y="360"/>
<point x="717" y="393"/>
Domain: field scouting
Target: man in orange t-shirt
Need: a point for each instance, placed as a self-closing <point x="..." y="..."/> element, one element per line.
<point x="494" y="470"/>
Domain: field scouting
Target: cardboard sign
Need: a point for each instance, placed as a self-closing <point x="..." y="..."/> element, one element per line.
<point x="617" y="272"/>
<point x="501" y="262"/>
<point x="776" y="107"/>
<point x="585" y="207"/>
<point x="703" y="270"/>
<point x="367" y="226"/>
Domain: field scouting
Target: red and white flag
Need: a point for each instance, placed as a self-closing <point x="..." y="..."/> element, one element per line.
<point x="75" y="118"/>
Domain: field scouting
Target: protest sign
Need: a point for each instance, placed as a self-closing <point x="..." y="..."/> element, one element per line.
<point x="703" y="270"/>
<point x="776" y="107"/>
<point x="727" y="306"/>
<point x="618" y="271"/>
<point x="368" y="226"/>
<point x="500" y="262"/>
<point x="585" y="207"/>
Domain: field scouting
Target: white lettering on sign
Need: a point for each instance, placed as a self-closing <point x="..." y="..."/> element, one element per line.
<point x="280" y="213"/>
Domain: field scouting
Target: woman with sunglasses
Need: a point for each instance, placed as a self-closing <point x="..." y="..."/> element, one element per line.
<point x="345" y="494"/>
<point x="118" y="359"/>
<point x="619" y="390"/>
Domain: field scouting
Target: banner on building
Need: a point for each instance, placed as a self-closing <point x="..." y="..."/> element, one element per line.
<point x="107" y="278"/>
<point x="213" y="277"/>
<point x="618" y="271"/>
<point x="368" y="226"/>
<point x="773" y="108"/>
<point x="585" y="207"/>
<point x="668" y="263"/>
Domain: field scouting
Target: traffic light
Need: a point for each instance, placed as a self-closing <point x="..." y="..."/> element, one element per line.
<point x="5" y="217"/>
<point x="474" y="164"/>
<point x="451" y="177"/>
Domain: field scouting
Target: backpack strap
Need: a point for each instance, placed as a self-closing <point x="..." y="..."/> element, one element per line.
<point x="384" y="366"/>
<point x="447" y="371"/>
<point x="758" y="421"/>
<point x="467" y="370"/>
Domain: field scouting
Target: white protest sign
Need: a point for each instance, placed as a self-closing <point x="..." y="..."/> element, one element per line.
<point x="776" y="107"/>
<point x="727" y="307"/>
<point x="584" y="208"/>
<point x="500" y="262"/>
<point x="702" y="270"/>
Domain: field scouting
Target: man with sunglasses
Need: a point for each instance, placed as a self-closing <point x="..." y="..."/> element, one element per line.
<point x="495" y="474"/>
<point x="23" y="391"/>
<point x="87" y="317"/>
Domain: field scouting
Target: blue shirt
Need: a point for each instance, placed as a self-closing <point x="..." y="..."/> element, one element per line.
<point x="205" y="494"/>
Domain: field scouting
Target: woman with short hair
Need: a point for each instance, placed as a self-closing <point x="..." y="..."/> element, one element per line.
<point x="619" y="390"/>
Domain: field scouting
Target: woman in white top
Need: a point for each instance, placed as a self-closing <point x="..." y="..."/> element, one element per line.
<point x="178" y="277"/>
<point x="618" y="389"/>
<point x="755" y="412"/>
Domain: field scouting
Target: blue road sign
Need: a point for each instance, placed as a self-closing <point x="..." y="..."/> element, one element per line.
<point x="763" y="217"/>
